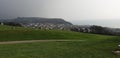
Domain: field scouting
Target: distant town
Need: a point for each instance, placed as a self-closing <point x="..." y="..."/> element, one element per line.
<point x="58" y="24"/>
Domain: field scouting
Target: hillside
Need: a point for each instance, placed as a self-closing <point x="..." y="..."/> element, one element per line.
<point x="58" y="24"/>
<point x="38" y="22"/>
<point x="93" y="46"/>
<point x="29" y="20"/>
<point x="9" y="33"/>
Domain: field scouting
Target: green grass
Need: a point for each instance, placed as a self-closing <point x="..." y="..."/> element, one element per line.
<point x="86" y="49"/>
<point x="94" y="46"/>
<point x="8" y="33"/>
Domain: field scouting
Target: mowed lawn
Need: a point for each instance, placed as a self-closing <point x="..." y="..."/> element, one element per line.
<point x="85" y="49"/>
<point x="93" y="46"/>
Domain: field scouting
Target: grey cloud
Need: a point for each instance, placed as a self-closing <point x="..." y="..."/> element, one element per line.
<point x="71" y="10"/>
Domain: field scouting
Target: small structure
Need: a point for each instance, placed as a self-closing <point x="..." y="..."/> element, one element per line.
<point x="1" y="23"/>
<point x="116" y="52"/>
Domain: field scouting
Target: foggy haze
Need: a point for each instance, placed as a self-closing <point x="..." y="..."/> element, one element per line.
<point x="98" y="12"/>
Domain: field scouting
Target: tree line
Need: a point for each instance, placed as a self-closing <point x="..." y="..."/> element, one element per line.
<point x="97" y="30"/>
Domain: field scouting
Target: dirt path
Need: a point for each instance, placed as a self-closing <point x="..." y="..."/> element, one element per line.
<point x="31" y="41"/>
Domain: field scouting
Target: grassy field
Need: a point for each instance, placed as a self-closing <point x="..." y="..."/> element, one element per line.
<point x="94" y="46"/>
<point x="8" y="33"/>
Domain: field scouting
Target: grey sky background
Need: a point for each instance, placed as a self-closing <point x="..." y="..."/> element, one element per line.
<point x="82" y="12"/>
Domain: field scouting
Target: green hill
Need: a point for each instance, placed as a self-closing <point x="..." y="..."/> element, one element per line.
<point x="94" y="46"/>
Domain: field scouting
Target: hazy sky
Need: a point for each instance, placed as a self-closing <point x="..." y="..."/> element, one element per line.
<point x="99" y="12"/>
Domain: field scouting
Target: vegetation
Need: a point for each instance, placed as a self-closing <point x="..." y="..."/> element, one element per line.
<point x="94" y="29"/>
<point x="101" y="48"/>
<point x="12" y="24"/>
<point x="94" y="46"/>
<point x="8" y="33"/>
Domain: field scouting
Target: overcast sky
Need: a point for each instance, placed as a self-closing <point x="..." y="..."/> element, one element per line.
<point x="99" y="12"/>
